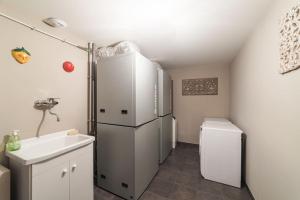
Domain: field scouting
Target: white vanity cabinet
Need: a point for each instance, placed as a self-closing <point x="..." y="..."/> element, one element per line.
<point x="66" y="177"/>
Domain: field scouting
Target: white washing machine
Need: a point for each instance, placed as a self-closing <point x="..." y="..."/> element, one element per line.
<point x="208" y="120"/>
<point x="221" y="152"/>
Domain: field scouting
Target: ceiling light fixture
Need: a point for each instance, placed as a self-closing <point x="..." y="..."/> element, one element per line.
<point x="54" y="22"/>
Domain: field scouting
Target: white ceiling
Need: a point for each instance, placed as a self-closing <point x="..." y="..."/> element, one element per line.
<point x="177" y="33"/>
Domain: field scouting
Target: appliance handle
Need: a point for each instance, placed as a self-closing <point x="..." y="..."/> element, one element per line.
<point x="200" y="137"/>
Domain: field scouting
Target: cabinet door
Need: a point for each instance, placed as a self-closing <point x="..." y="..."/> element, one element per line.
<point x="146" y="156"/>
<point x="115" y="159"/>
<point x="81" y="175"/>
<point x="165" y="136"/>
<point x="114" y="90"/>
<point x="49" y="183"/>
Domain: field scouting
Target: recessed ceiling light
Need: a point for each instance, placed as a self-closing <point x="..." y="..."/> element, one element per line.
<point x="54" y="22"/>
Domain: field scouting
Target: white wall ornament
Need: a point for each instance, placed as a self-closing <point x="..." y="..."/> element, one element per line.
<point x="290" y="41"/>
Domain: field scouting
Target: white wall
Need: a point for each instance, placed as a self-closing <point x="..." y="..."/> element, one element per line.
<point x="190" y="110"/>
<point x="265" y="105"/>
<point x="42" y="77"/>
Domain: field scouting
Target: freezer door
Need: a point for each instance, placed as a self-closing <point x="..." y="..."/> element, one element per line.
<point x="145" y="90"/>
<point x="164" y="92"/>
<point x="165" y="136"/>
<point x="115" y="159"/>
<point x="115" y="78"/>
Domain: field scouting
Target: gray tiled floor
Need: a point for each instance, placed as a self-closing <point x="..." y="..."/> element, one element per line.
<point x="179" y="179"/>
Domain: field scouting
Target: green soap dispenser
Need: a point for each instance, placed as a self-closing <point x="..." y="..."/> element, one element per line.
<point x="13" y="143"/>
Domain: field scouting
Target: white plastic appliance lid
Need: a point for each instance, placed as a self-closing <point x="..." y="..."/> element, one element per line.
<point x="216" y="119"/>
<point x="221" y="126"/>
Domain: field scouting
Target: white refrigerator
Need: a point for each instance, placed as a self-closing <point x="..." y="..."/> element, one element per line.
<point x="164" y="113"/>
<point x="127" y="130"/>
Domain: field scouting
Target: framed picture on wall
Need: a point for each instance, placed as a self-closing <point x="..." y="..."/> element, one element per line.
<point x="200" y="86"/>
<point x="290" y="41"/>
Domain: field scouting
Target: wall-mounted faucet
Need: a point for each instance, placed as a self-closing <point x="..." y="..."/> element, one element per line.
<point x="47" y="105"/>
<point x="44" y="105"/>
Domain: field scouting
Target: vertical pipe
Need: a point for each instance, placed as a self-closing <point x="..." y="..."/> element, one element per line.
<point x="94" y="107"/>
<point x="93" y="92"/>
<point x="89" y="89"/>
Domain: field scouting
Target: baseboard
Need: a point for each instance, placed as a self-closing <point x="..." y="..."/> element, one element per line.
<point x="178" y="142"/>
<point x="251" y="195"/>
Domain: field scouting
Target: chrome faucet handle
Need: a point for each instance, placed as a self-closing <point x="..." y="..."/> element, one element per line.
<point x="53" y="100"/>
<point x="41" y="104"/>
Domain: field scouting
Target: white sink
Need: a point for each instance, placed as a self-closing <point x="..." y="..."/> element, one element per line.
<point x="36" y="150"/>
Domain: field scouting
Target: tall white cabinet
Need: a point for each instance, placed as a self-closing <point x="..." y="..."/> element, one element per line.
<point x="67" y="177"/>
<point x="127" y="124"/>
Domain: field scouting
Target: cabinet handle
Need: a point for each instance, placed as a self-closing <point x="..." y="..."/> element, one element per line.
<point x="102" y="110"/>
<point x="125" y="185"/>
<point x="124" y="112"/>
<point x="64" y="172"/>
<point x="74" y="167"/>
